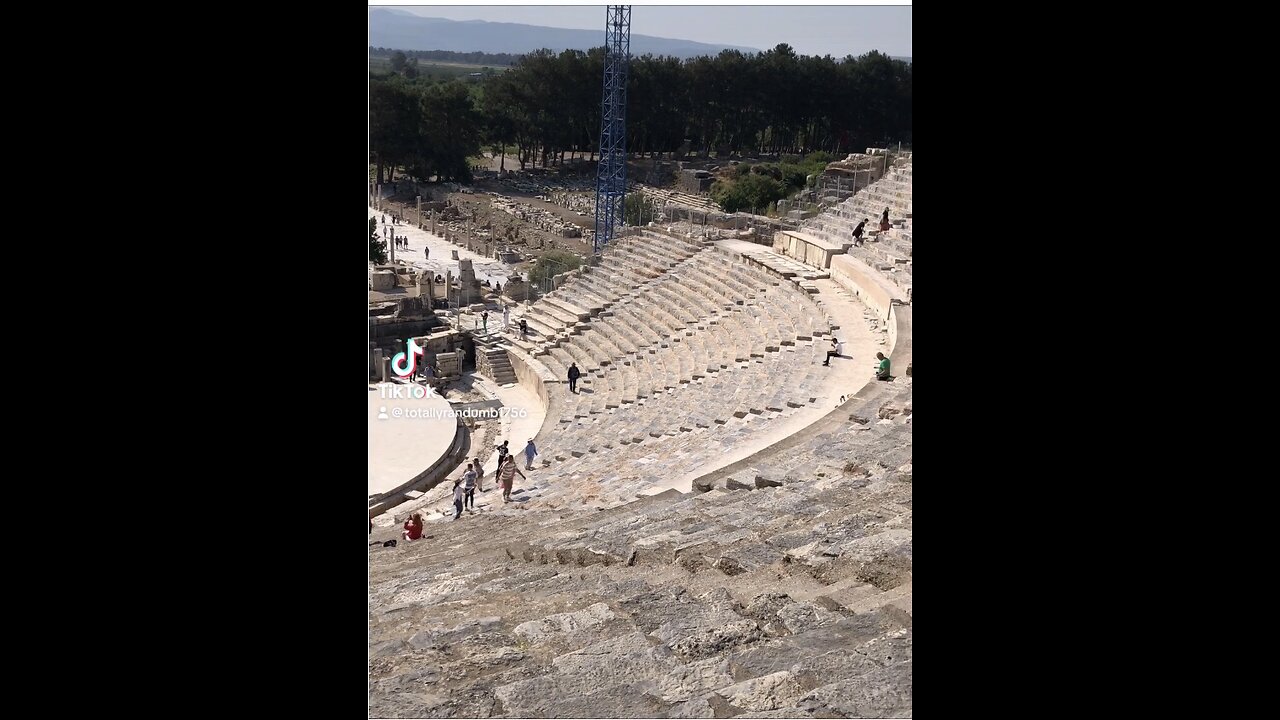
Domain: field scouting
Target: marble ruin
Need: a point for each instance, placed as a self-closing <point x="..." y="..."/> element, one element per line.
<point x="717" y="525"/>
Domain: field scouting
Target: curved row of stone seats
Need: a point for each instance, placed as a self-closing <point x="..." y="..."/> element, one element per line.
<point x="668" y="379"/>
<point x="868" y="438"/>
<point x="889" y="253"/>
<point x="710" y="288"/>
<point x="670" y="370"/>
<point x="784" y="590"/>
<point x="681" y="409"/>
<point x="628" y="265"/>
<point x="892" y="191"/>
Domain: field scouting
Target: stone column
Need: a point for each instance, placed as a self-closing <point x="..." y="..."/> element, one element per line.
<point x="419" y="212"/>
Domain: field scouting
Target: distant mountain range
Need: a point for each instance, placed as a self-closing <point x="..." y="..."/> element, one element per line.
<point x="401" y="30"/>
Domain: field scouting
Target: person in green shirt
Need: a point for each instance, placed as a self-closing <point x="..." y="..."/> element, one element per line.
<point x="882" y="372"/>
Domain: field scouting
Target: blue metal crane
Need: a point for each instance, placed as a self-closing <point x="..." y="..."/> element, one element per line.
<point x="611" y="173"/>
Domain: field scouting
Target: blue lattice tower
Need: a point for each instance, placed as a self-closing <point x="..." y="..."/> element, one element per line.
<point x="611" y="174"/>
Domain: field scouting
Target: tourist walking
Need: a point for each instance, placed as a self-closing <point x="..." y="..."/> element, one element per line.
<point x="529" y="452"/>
<point x="469" y="487"/>
<point x="506" y="316"/>
<point x="506" y="475"/>
<point x="503" y="452"/>
<point x="479" y="474"/>
<point x="884" y="221"/>
<point x="427" y="252"/>
<point x="484" y="319"/>
<point x="574" y="374"/>
<point x="837" y="349"/>
<point x="857" y="232"/>
<point x="457" y="497"/>
<point x="882" y="371"/>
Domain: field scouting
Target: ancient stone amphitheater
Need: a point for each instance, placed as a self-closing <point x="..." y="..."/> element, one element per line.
<point x="711" y="531"/>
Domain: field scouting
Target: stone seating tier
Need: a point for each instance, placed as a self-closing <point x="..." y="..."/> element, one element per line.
<point x="667" y="605"/>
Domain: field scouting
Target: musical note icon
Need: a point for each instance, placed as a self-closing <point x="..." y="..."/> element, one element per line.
<point x="399" y="364"/>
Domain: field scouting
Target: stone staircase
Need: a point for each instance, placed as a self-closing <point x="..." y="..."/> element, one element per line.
<point x="784" y="590"/>
<point x="492" y="361"/>
<point x="890" y="253"/>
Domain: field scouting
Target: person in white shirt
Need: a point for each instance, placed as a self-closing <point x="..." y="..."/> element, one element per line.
<point x="836" y="351"/>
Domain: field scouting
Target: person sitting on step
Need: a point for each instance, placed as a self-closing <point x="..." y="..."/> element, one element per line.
<point x="882" y="371"/>
<point x="413" y="527"/>
<point x="837" y="349"/>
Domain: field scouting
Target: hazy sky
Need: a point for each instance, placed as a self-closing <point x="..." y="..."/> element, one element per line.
<point x="834" y="30"/>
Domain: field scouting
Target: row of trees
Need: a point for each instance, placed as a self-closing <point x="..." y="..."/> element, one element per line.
<point x="548" y="105"/>
<point x="429" y="128"/>
<point x="469" y="58"/>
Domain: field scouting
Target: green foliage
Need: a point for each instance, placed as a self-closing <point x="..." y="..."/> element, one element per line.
<point x="553" y="262"/>
<point x="471" y="58"/>
<point x="431" y="129"/>
<point x="377" y="248"/>
<point x="813" y="109"/>
<point x="637" y="209"/>
<point x="753" y="192"/>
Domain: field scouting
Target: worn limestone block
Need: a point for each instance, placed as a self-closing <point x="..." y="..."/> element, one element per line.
<point x="537" y="631"/>
<point x="770" y="692"/>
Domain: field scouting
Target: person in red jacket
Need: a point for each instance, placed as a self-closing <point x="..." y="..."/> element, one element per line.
<point x="413" y="527"/>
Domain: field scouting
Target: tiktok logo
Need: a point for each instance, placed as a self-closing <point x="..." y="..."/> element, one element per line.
<point x="399" y="364"/>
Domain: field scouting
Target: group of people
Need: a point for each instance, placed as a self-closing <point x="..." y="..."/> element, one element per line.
<point x="530" y="452"/>
<point x="464" y="488"/>
<point x="837" y="350"/>
<point x="402" y="241"/>
<point x="884" y="227"/>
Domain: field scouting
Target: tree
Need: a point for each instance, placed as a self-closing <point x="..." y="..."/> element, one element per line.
<point x="553" y="263"/>
<point x="398" y="61"/>
<point x="638" y="210"/>
<point x="751" y="192"/>
<point x="377" y="248"/>
<point x="393" y="121"/>
<point x="450" y="131"/>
